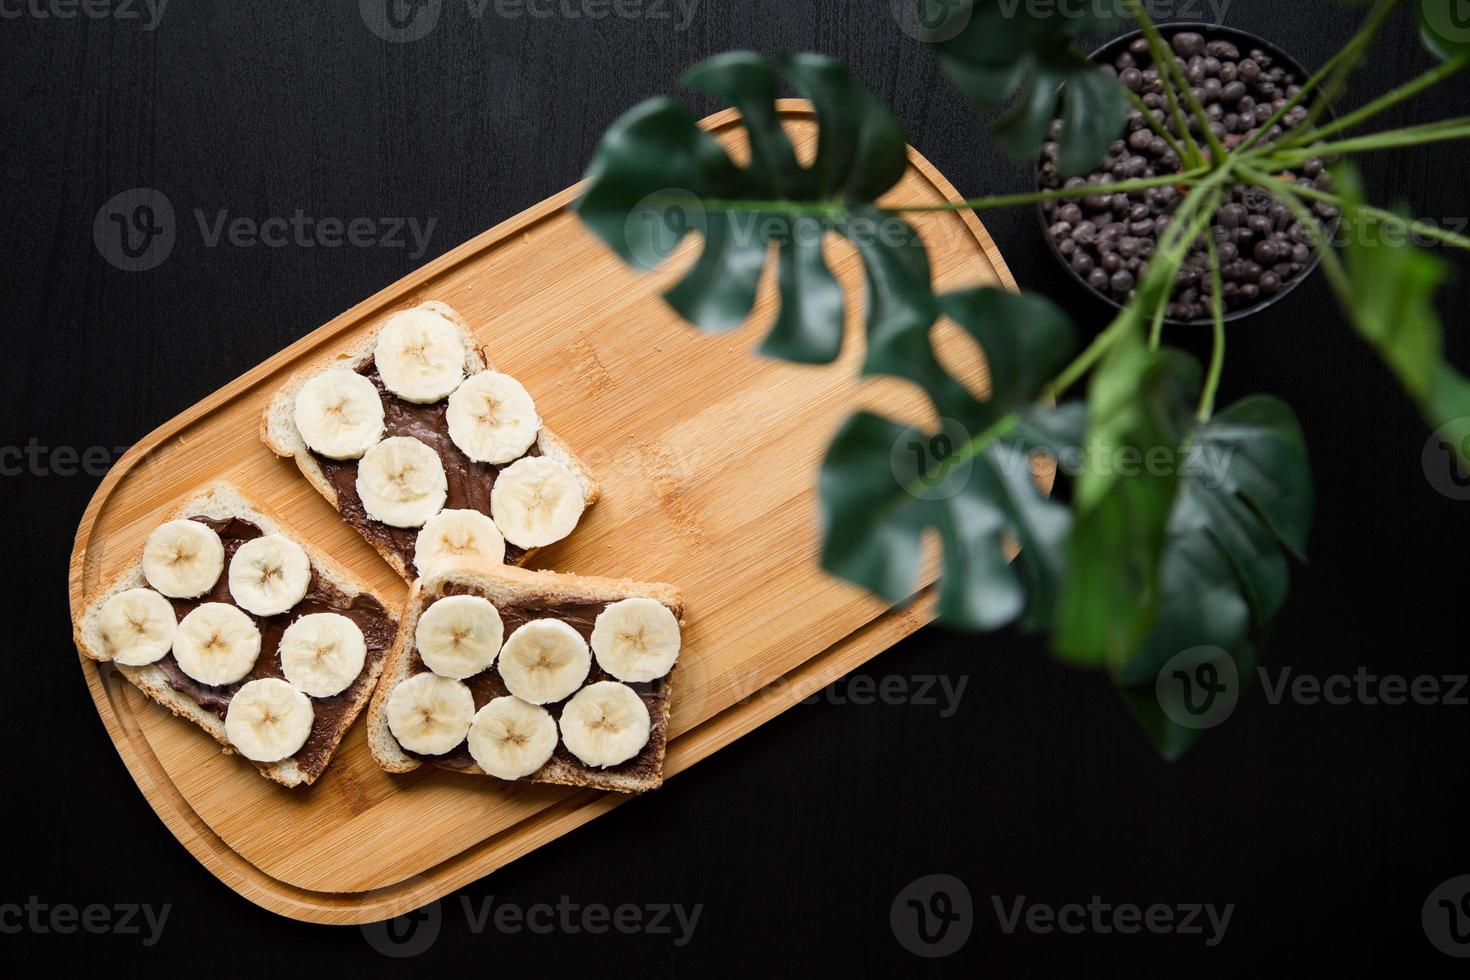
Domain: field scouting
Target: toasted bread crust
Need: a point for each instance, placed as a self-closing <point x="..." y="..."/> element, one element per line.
<point x="502" y="584"/>
<point x="222" y="500"/>
<point x="279" y="433"/>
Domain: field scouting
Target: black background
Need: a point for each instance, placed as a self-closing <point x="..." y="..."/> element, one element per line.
<point x="1327" y="827"/>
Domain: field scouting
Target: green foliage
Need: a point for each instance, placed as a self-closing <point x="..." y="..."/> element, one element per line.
<point x="656" y="176"/>
<point x="1390" y="297"/>
<point x="1002" y="54"/>
<point x="883" y="484"/>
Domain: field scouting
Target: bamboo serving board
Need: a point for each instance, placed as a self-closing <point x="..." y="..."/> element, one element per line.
<point x="708" y="457"/>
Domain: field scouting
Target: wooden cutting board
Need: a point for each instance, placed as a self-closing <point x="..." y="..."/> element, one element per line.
<point x="708" y="458"/>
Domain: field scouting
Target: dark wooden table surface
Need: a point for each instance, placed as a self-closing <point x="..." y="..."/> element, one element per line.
<point x="1325" y="826"/>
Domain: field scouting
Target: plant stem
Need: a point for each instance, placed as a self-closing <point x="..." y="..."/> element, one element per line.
<point x="968" y="451"/>
<point x="1084" y="361"/>
<point x="1154" y="124"/>
<point x="1386" y="101"/>
<point x="1163" y="63"/>
<point x="1217" y="352"/>
<point x="1287" y="193"/>
<point x="1425" y="228"/>
<point x="1156" y="326"/>
<point x="1165" y="264"/>
<point x="1193" y="219"/>
<point x="1350" y="50"/>
<point x="1169" y="67"/>
<point x="1439" y="132"/>
<point x="834" y="209"/>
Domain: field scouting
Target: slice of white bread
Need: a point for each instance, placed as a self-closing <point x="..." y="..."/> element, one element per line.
<point x="223" y="501"/>
<point x="278" y="425"/>
<point x="504" y="585"/>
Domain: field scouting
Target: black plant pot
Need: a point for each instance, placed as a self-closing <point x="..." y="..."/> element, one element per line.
<point x="1212" y="32"/>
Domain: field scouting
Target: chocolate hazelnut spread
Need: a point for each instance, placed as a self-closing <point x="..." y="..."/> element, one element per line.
<point x="469" y="481"/>
<point x="487" y="685"/>
<point x="378" y="629"/>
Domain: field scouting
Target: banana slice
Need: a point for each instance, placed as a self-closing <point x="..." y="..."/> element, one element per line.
<point x="401" y="482"/>
<point x="430" y="714"/>
<point x="544" y="661"/>
<point x="138" y="626"/>
<point x="492" y="418"/>
<point x="535" y="501"/>
<point x="510" y="738"/>
<point x="339" y="414"/>
<point x="420" y="355"/>
<point x="605" y="724"/>
<point x="636" y="639"/>
<point x="269" y="575"/>
<point x="216" y="644"/>
<point x="455" y="536"/>
<point x="322" y="654"/>
<point x="458" y="636"/>
<point x="183" y="559"/>
<point x="268" y="720"/>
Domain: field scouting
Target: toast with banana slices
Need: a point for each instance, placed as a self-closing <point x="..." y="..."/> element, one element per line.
<point x="229" y="618"/>
<point x="529" y="675"/>
<point x="426" y="450"/>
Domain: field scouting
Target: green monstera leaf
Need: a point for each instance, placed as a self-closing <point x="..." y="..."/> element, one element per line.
<point x="1138" y="404"/>
<point x="1245" y="502"/>
<point x="996" y="50"/>
<point x="883" y="484"/>
<point x="1390" y="299"/>
<point x="656" y="177"/>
